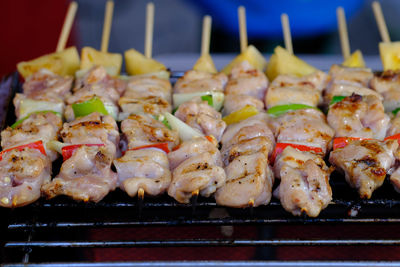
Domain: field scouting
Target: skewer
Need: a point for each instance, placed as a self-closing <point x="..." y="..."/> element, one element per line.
<point x="380" y="20"/>
<point x="148" y="44"/>
<point x="344" y="37"/>
<point x="66" y="29"/>
<point x="242" y="28"/>
<point x="206" y="36"/>
<point x="286" y="33"/>
<point x="140" y="200"/>
<point x="107" y="26"/>
<point x="193" y="200"/>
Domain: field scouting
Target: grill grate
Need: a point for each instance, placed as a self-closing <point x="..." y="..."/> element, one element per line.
<point x="60" y="224"/>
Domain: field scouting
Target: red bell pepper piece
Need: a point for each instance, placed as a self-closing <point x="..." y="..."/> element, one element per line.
<point x="394" y="137"/>
<point x="340" y="142"/>
<point x="279" y="147"/>
<point x="162" y="146"/>
<point x="68" y="151"/>
<point x="35" y="145"/>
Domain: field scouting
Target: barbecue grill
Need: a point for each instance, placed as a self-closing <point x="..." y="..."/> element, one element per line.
<point x="32" y="234"/>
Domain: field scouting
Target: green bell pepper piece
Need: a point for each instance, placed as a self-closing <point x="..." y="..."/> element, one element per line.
<point x="88" y="107"/>
<point x="336" y="99"/>
<point x="282" y="109"/>
<point x="208" y="98"/>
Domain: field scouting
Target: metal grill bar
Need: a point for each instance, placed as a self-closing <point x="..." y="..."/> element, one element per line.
<point x="201" y="243"/>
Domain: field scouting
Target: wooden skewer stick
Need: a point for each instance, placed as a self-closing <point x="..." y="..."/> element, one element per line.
<point x="141" y="193"/>
<point x="344" y="37"/>
<point x="242" y="28"/>
<point x="380" y="20"/>
<point x="66" y="29"/>
<point x="287" y="36"/>
<point x="251" y="203"/>
<point x="206" y="36"/>
<point x="107" y="25"/>
<point x="148" y="43"/>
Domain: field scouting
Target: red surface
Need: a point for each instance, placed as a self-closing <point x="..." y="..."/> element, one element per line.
<point x="30" y="29"/>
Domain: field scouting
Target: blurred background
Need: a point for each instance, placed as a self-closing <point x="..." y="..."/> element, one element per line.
<point x="32" y="27"/>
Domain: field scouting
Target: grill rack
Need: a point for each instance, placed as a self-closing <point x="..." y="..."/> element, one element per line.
<point x="23" y="230"/>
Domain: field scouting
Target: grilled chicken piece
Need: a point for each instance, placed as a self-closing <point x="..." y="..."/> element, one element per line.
<point x="247" y="137"/>
<point x="233" y="103"/>
<point x="388" y="85"/>
<point x="288" y="89"/>
<point x="97" y="76"/>
<point x="142" y="130"/>
<point x="365" y="163"/>
<point x="246" y="80"/>
<point x="47" y="86"/>
<point x="22" y="174"/>
<point x="196" y="166"/>
<point x="304" y="126"/>
<point x="245" y="149"/>
<point x="359" y="116"/>
<point x="150" y="95"/>
<point x="394" y="127"/>
<point x="304" y="183"/>
<point x="145" y="168"/>
<point x="360" y="76"/>
<point x="201" y="116"/>
<point x="249" y="181"/>
<point x="85" y="176"/>
<point x="40" y="126"/>
<point x="92" y="129"/>
<point x="200" y="81"/>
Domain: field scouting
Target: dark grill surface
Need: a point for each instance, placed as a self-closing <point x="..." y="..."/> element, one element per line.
<point x="62" y="230"/>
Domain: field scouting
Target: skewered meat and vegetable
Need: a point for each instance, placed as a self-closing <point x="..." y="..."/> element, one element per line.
<point x="23" y="171"/>
<point x="200" y="81"/>
<point x="359" y="116"/>
<point x="245" y="149"/>
<point x="304" y="183"/>
<point x="388" y="85"/>
<point x="42" y="126"/>
<point x="365" y="163"/>
<point x="196" y="167"/>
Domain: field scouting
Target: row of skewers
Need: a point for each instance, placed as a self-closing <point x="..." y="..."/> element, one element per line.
<point x="270" y="126"/>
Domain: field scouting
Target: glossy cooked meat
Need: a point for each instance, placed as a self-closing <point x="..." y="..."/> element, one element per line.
<point x="360" y="76"/>
<point x="47" y="86"/>
<point x="304" y="183"/>
<point x="145" y="168"/>
<point x="388" y="85"/>
<point x="246" y="80"/>
<point x="85" y="176"/>
<point x="245" y="149"/>
<point x="22" y="174"/>
<point x="144" y="94"/>
<point x="304" y="126"/>
<point x="40" y="126"/>
<point x="201" y="116"/>
<point x="200" y="81"/>
<point x="92" y="129"/>
<point x="365" y="163"/>
<point x="97" y="76"/>
<point x="141" y="130"/>
<point x="196" y="167"/>
<point x="247" y="137"/>
<point x="359" y="116"/>
<point x="288" y="89"/>
<point x="233" y="103"/>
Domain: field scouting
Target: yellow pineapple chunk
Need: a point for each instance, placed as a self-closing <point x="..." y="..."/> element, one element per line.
<point x="252" y="55"/>
<point x="65" y="62"/>
<point x="111" y="61"/>
<point x="355" y="60"/>
<point x="137" y="63"/>
<point x="282" y="62"/>
<point x="206" y="64"/>
<point x="390" y="55"/>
